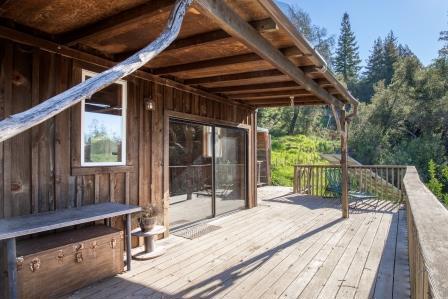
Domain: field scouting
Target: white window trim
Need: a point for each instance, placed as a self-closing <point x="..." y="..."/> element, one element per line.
<point x="124" y="97"/>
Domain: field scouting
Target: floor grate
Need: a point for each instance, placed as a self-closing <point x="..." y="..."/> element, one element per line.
<point x="195" y="231"/>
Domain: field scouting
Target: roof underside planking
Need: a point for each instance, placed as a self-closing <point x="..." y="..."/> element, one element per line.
<point x="228" y="60"/>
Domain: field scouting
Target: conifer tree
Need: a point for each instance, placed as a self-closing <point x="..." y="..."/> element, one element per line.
<point x="444" y="38"/>
<point x="375" y="63"/>
<point x="347" y="61"/>
<point x="391" y="54"/>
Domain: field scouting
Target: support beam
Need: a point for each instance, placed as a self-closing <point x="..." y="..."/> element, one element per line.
<point x="254" y="87"/>
<point x="344" y="164"/>
<point x="16" y="124"/>
<point x="219" y="62"/>
<point x="265" y="25"/>
<point x="118" y="23"/>
<point x="240" y="29"/>
<point x="284" y="100"/>
<point x="272" y="94"/>
<point x="284" y="104"/>
<point x="238" y="89"/>
<point x="245" y="76"/>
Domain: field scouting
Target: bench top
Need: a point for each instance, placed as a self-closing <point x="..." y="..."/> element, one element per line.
<point x="36" y="223"/>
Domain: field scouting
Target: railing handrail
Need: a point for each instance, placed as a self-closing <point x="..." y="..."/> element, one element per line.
<point x="429" y="225"/>
<point x="352" y="166"/>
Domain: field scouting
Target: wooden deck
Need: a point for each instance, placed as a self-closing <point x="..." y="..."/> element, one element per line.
<point x="290" y="246"/>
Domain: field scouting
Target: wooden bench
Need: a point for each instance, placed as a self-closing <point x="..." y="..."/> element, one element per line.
<point x="11" y="228"/>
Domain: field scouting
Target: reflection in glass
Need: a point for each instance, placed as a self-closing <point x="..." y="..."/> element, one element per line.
<point x="104" y="126"/>
<point x="190" y="172"/>
<point x="230" y="168"/>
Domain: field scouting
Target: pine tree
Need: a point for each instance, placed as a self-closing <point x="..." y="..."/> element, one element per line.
<point x="375" y="64"/>
<point x="444" y="38"/>
<point x="347" y="61"/>
<point x="391" y="54"/>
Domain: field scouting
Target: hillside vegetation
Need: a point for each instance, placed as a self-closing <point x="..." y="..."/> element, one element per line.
<point x="288" y="151"/>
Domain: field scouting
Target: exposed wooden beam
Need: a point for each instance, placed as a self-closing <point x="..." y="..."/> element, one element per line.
<point x="240" y="29"/>
<point x="244" y="76"/>
<point x="254" y="87"/>
<point x="272" y="94"/>
<point x="238" y="89"/>
<point x="118" y="23"/>
<point x="45" y="45"/>
<point x="265" y="25"/>
<point x="270" y="103"/>
<point x="284" y="99"/>
<point x="219" y="62"/>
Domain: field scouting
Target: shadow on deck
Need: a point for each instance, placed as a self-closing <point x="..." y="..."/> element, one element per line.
<point x="289" y="246"/>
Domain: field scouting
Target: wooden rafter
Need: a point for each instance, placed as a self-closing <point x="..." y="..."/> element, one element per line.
<point x="244" y="76"/>
<point x="26" y="39"/>
<point x="286" y="103"/>
<point x="272" y="94"/>
<point x="115" y="24"/>
<point x="219" y="62"/>
<point x="254" y="87"/>
<point x="237" y="89"/>
<point x="15" y="124"/>
<point x="240" y="29"/>
<point x="265" y="25"/>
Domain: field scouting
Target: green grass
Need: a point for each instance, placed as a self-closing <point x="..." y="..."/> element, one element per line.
<point x="288" y="151"/>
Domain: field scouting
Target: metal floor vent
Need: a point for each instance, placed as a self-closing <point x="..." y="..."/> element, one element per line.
<point x="195" y="231"/>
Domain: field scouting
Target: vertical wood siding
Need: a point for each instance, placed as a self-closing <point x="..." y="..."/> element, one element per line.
<point x="40" y="168"/>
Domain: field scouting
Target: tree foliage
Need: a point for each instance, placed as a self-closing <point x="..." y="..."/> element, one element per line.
<point x="347" y="61"/>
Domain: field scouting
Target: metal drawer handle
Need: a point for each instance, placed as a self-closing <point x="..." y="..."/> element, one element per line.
<point x="35" y="264"/>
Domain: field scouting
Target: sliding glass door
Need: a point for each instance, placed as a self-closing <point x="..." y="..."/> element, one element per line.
<point x="190" y="172"/>
<point x="230" y="169"/>
<point x="207" y="171"/>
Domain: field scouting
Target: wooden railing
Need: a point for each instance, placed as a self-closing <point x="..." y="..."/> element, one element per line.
<point x="428" y="239"/>
<point x="427" y="217"/>
<point x="383" y="181"/>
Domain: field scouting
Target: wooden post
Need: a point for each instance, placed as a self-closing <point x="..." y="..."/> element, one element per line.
<point x="12" y="270"/>
<point x="344" y="165"/>
<point x="128" y="229"/>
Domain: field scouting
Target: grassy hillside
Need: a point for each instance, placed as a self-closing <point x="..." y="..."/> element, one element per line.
<point x="297" y="149"/>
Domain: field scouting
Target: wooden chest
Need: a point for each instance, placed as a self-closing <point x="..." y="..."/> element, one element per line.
<point x="60" y="263"/>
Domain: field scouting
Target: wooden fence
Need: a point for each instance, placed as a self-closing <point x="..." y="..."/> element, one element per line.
<point x="383" y="181"/>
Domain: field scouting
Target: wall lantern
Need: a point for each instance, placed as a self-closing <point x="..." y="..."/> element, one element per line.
<point x="149" y="104"/>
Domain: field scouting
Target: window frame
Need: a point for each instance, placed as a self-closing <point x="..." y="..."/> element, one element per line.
<point x="124" y="95"/>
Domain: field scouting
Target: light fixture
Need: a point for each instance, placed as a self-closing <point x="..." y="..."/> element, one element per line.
<point x="149" y="104"/>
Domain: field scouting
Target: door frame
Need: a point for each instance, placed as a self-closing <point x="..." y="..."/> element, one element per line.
<point x="169" y="114"/>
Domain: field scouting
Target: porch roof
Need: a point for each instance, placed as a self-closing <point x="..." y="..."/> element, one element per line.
<point x="246" y="50"/>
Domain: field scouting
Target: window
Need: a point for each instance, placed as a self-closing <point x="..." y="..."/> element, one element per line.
<point x="103" y="125"/>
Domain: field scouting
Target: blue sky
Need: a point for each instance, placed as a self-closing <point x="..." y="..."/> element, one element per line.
<point x="417" y="23"/>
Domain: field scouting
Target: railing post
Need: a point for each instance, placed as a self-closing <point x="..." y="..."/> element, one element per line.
<point x="344" y="166"/>
<point x="295" y="187"/>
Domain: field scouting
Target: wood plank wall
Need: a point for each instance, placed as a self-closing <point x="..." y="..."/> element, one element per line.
<point x="40" y="169"/>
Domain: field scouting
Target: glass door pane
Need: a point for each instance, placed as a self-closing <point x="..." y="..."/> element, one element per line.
<point x="190" y="172"/>
<point x="230" y="169"/>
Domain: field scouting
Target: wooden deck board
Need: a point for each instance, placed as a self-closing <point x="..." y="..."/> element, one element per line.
<point x="289" y="246"/>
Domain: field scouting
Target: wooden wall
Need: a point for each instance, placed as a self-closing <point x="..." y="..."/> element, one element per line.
<point x="40" y="169"/>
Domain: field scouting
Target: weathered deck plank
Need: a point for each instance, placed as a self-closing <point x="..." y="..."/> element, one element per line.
<point x="290" y="246"/>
